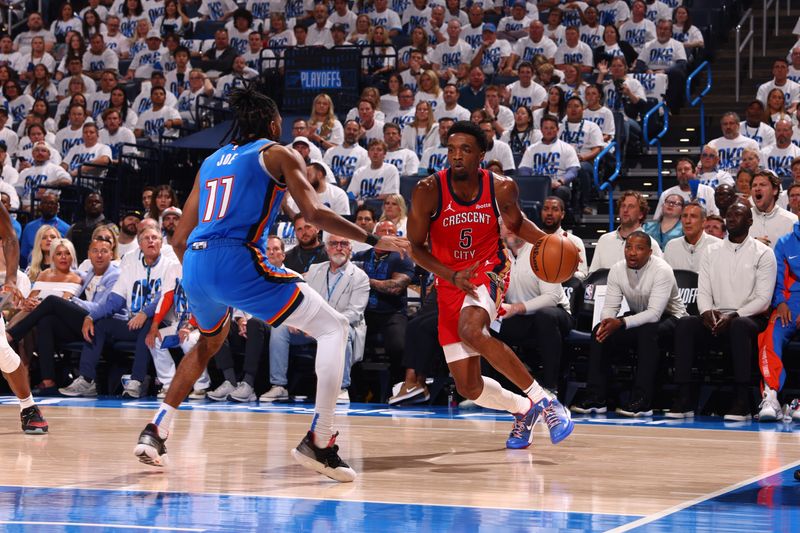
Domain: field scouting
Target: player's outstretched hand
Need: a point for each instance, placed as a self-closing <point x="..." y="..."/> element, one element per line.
<point x="394" y="244"/>
<point x="14" y="298"/>
<point x="462" y="278"/>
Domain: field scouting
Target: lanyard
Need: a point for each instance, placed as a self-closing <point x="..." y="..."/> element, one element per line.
<point x="330" y="289"/>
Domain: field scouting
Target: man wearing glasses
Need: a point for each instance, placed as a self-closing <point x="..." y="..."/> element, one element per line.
<point x="689" y="188"/>
<point x="346" y="288"/>
<point x="707" y="171"/>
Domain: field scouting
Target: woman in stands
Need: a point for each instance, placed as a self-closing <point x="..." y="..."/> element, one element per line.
<point x="556" y="106"/>
<point x="613" y="47"/>
<point x="40" y="256"/>
<point x="422" y="132"/>
<point x="40" y="111"/>
<point x="523" y="134"/>
<point x="389" y="102"/>
<point x="42" y="87"/>
<point x="75" y="48"/>
<point x="429" y="89"/>
<point x="67" y="21"/>
<point x="419" y="42"/>
<point x="573" y="84"/>
<point x="324" y="128"/>
<point x="174" y="20"/>
<point x="138" y="40"/>
<point x="373" y="95"/>
<point x="362" y="35"/>
<point x="683" y="31"/>
<point x="163" y="197"/>
<point x="279" y="35"/>
<point x="751" y="160"/>
<point x="92" y="24"/>
<point x="395" y="210"/>
<point x="132" y="13"/>
<point x="379" y="58"/>
<point x="62" y="113"/>
<point x="668" y="226"/>
<point x="776" y="107"/>
<point x="59" y="317"/>
<point x="119" y="101"/>
<point x="743" y="179"/>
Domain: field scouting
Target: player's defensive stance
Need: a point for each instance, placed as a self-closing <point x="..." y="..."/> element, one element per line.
<point x="236" y="197"/>
<point x="10" y="363"/>
<point x="458" y="210"/>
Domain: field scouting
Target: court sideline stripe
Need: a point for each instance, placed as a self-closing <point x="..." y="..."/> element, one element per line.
<point x="700" y="499"/>
<point x="87" y="524"/>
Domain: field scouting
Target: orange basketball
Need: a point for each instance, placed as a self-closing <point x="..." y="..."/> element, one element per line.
<point x="554" y="258"/>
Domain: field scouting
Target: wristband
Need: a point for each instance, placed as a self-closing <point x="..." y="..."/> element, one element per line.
<point x="372" y="240"/>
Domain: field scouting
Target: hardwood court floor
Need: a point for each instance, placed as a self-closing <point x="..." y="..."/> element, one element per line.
<point x="625" y="470"/>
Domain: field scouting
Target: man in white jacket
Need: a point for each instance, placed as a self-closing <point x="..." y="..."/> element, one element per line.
<point x="734" y="291"/>
<point x="648" y="284"/>
<point x="685" y="253"/>
<point x="346" y="288"/>
<point x="770" y="221"/>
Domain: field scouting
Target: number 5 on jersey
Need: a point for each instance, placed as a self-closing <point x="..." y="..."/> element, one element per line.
<point x="465" y="239"/>
<point x="213" y="186"/>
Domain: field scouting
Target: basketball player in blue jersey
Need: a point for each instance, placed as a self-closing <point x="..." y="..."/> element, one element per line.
<point x="236" y="196"/>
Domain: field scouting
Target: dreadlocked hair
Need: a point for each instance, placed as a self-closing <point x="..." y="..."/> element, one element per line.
<point x="253" y="112"/>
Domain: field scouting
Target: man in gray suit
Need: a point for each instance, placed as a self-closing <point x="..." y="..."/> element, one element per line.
<point x="346" y="289"/>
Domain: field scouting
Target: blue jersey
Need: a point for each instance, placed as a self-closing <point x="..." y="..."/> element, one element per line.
<point x="239" y="199"/>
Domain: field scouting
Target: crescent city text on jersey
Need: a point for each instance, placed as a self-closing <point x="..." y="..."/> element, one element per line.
<point x="467" y="218"/>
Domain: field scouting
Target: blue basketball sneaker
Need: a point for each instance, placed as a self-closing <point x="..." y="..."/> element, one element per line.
<point x="522" y="433"/>
<point x="557" y="418"/>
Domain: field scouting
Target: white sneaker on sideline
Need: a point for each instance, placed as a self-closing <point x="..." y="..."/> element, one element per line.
<point x="243" y="393"/>
<point x="277" y="392"/>
<point x="220" y="394"/>
<point x="343" y="398"/>
<point x="198" y="394"/>
<point x="770" y="407"/>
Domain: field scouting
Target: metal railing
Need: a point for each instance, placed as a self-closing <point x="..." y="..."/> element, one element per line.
<point x="16" y="10"/>
<point x="767" y="5"/>
<point x="608" y="185"/>
<point x="699" y="98"/>
<point x="656" y="141"/>
<point x="740" y="44"/>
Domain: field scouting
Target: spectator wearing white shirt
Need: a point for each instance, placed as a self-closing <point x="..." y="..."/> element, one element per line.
<point x="116" y="136"/>
<point x="770" y="221"/>
<point x="552" y="158"/>
<point x="450" y="60"/>
<point x="753" y="128"/>
<point x="41" y="173"/>
<point x="496" y="150"/>
<point x="780" y="80"/>
<point x="778" y="157"/>
<point x="686" y="252"/>
<point x="434" y="159"/>
<point x="610" y="248"/>
<point x="342" y="15"/>
<point x="638" y="30"/>
<point x="665" y="54"/>
<point x="587" y="139"/>
<point x="515" y="25"/>
<point x="90" y="151"/>
<point x="239" y="74"/>
<point x="648" y="285"/>
<point x="525" y="91"/>
<point x="591" y="30"/>
<point x="142" y="102"/>
<point x="8" y="56"/>
<point x="376" y="180"/>
<point x="345" y="158"/>
<point x="72" y="133"/>
<point x="383" y="16"/>
<point x="536" y="43"/>
<point x="22" y="42"/>
<point x="98" y="58"/>
<point x="730" y="146"/>
<point x="613" y="12"/>
<point x="596" y="112"/>
<point x="573" y="51"/>
<point x="159" y="120"/>
<point x="494" y="55"/>
<point x="217" y="9"/>
<point x="553" y="211"/>
<point x="534" y="309"/>
<point x="734" y="292"/>
<point x="24" y="154"/>
<point x="404" y="160"/>
<point x="421" y="132"/>
<point x="199" y="85"/>
<point x="502" y="117"/>
<point x="327" y="193"/>
<point x="685" y="172"/>
<point x="554" y="27"/>
<point x="319" y="33"/>
<point x="114" y="39"/>
<point x="149" y="59"/>
<point x="449" y="106"/>
<point x="707" y="171"/>
<point x="17" y="103"/>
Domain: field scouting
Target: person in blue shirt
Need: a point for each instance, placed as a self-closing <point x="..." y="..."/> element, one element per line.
<point x="668" y="226"/>
<point x="49" y="209"/>
<point x="222" y="243"/>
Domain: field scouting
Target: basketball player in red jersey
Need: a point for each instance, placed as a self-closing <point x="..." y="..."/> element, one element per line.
<point x="458" y="211"/>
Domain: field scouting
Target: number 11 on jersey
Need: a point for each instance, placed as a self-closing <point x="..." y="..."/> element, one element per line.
<point x="226" y="184"/>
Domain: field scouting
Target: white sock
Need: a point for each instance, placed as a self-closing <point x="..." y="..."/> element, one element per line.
<point x="24" y="403"/>
<point x="496" y="397"/>
<point x="163" y="419"/>
<point x="537" y="393"/>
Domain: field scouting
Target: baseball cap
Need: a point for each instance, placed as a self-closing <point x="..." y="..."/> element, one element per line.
<point x="519" y="3"/>
<point x="301" y="139"/>
<point x="133" y="213"/>
<point x="490" y="27"/>
<point x="171" y="211"/>
<point x="154" y="34"/>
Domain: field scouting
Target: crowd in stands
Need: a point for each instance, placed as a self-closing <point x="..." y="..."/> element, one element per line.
<point x="550" y="84"/>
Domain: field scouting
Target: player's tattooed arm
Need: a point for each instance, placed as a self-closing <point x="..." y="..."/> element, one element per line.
<point x="507" y="196"/>
<point x="395" y="286"/>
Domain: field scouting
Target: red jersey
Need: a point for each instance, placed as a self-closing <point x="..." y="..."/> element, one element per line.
<point x="463" y="233"/>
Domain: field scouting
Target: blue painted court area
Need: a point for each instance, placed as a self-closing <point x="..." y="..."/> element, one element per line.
<point x="41" y="509"/>
<point x="770" y="504"/>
